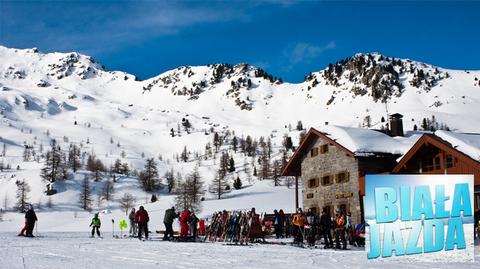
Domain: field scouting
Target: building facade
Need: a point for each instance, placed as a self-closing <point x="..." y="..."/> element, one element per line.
<point x="332" y="174"/>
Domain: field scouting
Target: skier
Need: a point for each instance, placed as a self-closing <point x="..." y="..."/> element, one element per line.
<point x="133" y="224"/>
<point x="184" y="219"/>
<point x="202" y="228"/>
<point x="95" y="224"/>
<point x="325" y="228"/>
<point x="281" y="222"/>
<point x="30" y="218"/>
<point x="340" y="230"/>
<point x="193" y="225"/>
<point x="276" y="223"/>
<point x="170" y="215"/>
<point x="141" y="217"/>
<point x="298" y="222"/>
<point x="349" y="229"/>
<point x="312" y="221"/>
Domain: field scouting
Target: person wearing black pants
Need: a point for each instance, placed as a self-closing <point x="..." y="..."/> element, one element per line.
<point x="141" y="216"/>
<point x="30" y="218"/>
<point x="170" y="215"/>
<point x="325" y="228"/>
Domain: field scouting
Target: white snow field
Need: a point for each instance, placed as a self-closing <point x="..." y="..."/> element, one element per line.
<point x="75" y="250"/>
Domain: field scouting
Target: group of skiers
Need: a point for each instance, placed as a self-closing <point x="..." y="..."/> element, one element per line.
<point x="238" y="226"/>
<point x="188" y="224"/>
<point x="311" y="227"/>
<point x="139" y="222"/>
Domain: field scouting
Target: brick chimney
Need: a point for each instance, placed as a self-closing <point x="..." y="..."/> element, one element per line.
<point x="396" y="125"/>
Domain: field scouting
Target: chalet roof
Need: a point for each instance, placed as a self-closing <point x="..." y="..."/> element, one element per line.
<point x="468" y="144"/>
<point x="361" y="141"/>
<point x="439" y="140"/>
<point x="355" y="142"/>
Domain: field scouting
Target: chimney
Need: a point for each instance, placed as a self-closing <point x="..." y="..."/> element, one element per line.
<point x="396" y="125"/>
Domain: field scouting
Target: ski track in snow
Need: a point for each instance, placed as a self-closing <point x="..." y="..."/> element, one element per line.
<point x="76" y="250"/>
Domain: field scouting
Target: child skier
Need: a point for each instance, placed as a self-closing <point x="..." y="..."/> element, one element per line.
<point x="95" y="224"/>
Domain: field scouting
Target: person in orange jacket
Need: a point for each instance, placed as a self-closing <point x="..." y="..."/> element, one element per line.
<point x="184" y="220"/>
<point x="298" y="222"/>
<point x="340" y="230"/>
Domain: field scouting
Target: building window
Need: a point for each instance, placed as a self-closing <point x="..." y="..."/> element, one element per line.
<point x="327" y="180"/>
<point x="314" y="152"/>
<point x="345" y="208"/>
<point x="324" y="149"/>
<point x="342" y="177"/>
<point x="328" y="209"/>
<point x="449" y="161"/>
<point x="427" y="165"/>
<point x="313" y="183"/>
<point x="309" y="195"/>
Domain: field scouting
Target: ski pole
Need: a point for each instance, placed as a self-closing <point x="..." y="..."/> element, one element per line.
<point x="113" y="228"/>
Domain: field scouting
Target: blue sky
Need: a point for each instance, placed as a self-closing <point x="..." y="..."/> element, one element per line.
<point x="287" y="38"/>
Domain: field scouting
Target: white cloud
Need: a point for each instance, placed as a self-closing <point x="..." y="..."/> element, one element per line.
<point x="305" y="52"/>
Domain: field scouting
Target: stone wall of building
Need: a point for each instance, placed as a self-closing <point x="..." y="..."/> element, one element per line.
<point x="333" y="162"/>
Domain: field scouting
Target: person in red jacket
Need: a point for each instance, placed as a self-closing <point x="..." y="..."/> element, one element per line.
<point x="184" y="220"/>
<point x="141" y="216"/>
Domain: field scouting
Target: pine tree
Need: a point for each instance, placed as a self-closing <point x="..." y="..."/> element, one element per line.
<point x="231" y="165"/>
<point x="85" y="194"/>
<point x="117" y="166"/>
<point x="74" y="157"/>
<point x="196" y="189"/>
<point x="249" y="149"/>
<point x="216" y="142"/>
<point x="219" y="185"/>
<point x="299" y="125"/>
<point x="237" y="184"/>
<point x="169" y="176"/>
<point x="182" y="199"/>
<point x="184" y="155"/>
<point x="127" y="202"/>
<point x="54" y="168"/>
<point x="234" y="144"/>
<point x="107" y="191"/>
<point x="22" y="195"/>
<point x="287" y="142"/>
<point x="276" y="172"/>
<point x="149" y="177"/>
<point x="96" y="166"/>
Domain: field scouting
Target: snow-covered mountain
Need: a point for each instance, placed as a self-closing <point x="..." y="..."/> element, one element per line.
<point x="74" y="99"/>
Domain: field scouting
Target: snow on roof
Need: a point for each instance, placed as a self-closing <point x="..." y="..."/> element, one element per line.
<point x="468" y="144"/>
<point x="362" y="141"/>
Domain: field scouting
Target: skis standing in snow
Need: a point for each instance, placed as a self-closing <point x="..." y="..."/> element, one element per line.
<point x="95" y="224"/>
